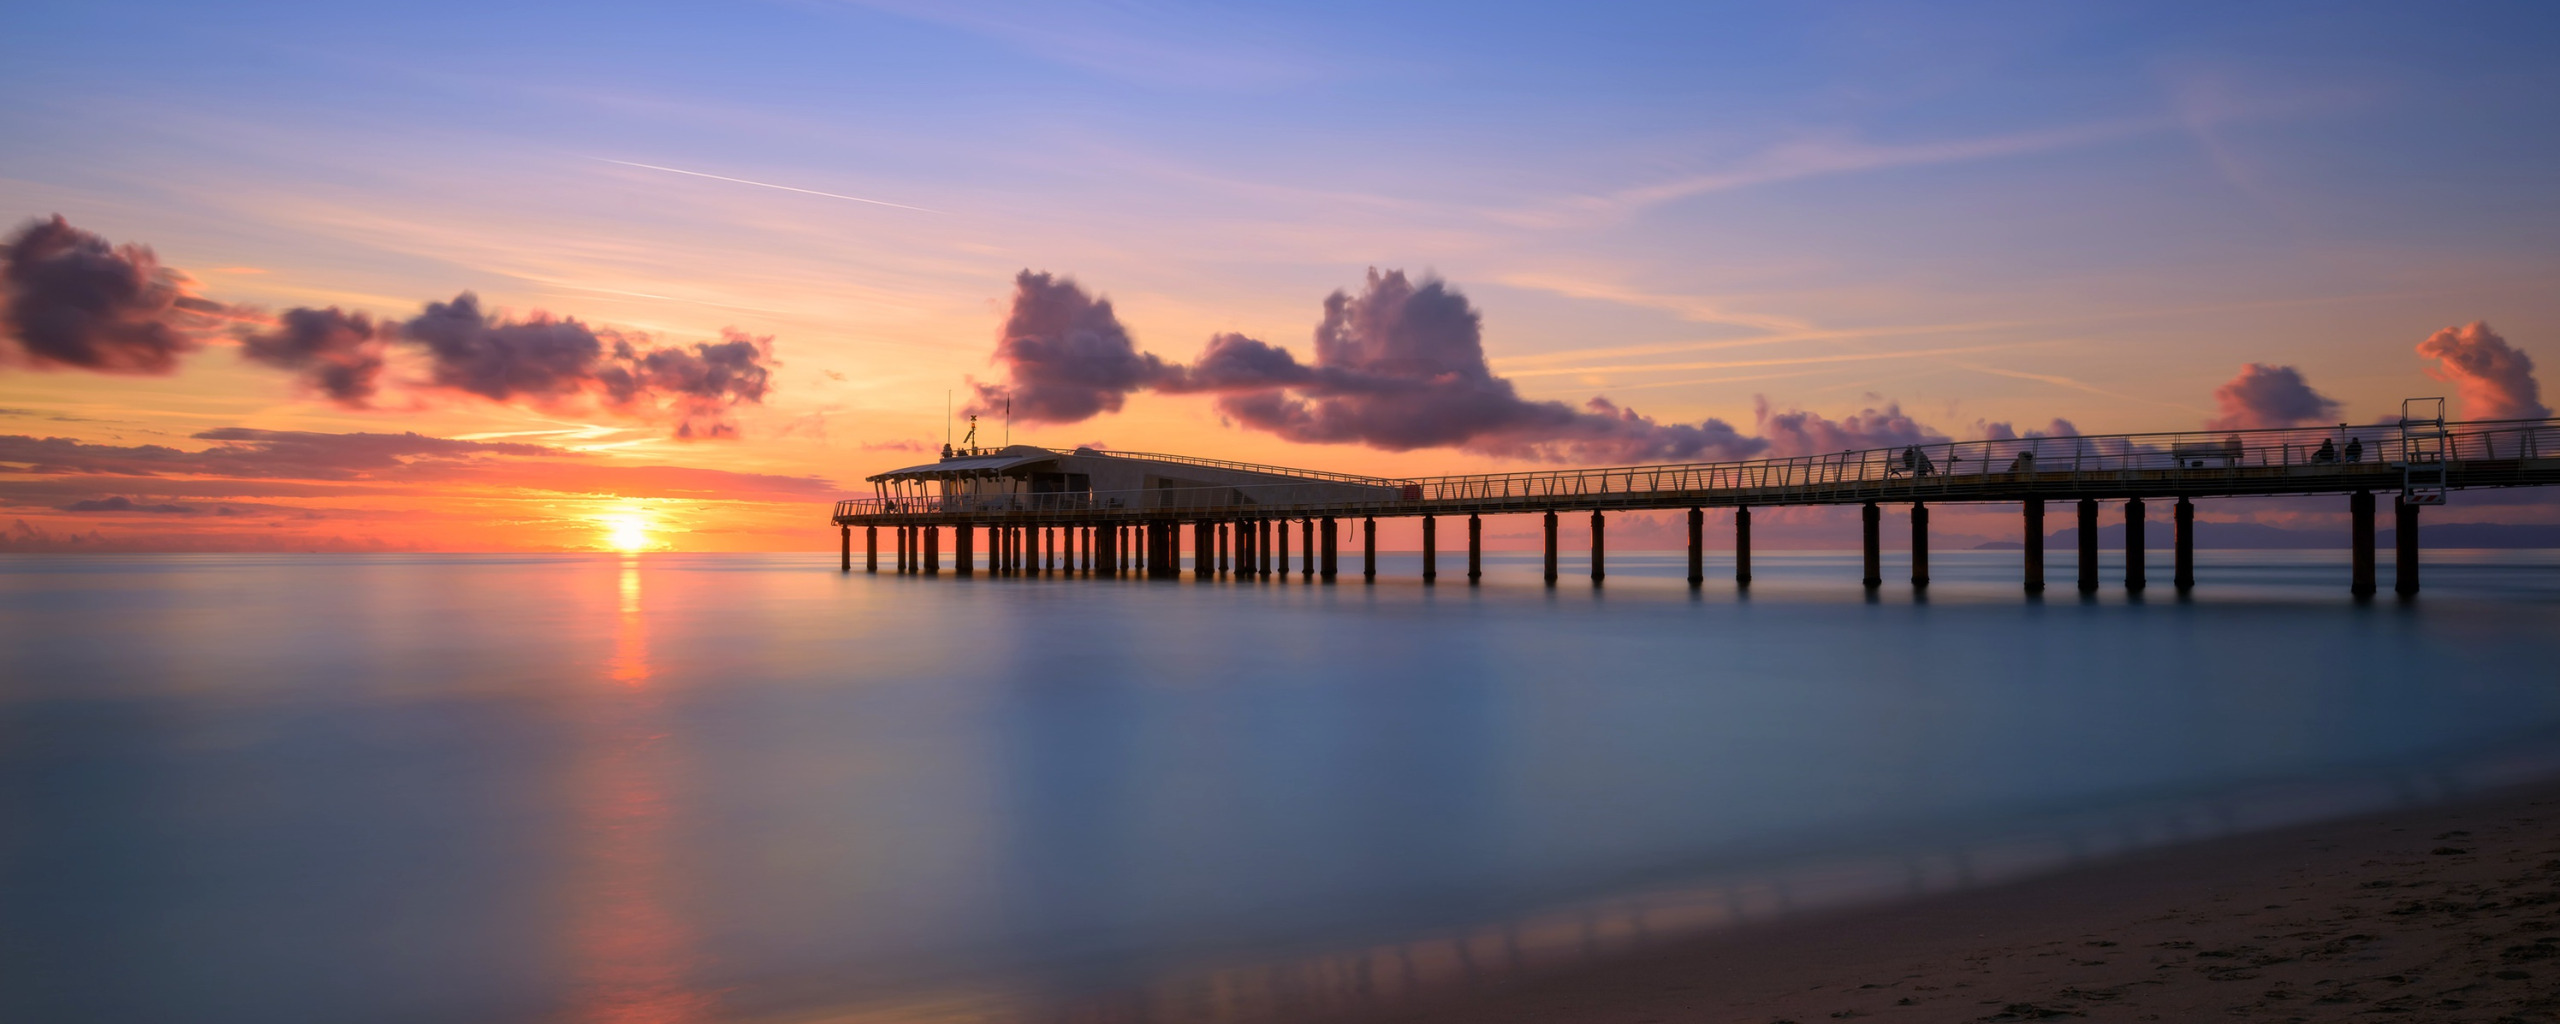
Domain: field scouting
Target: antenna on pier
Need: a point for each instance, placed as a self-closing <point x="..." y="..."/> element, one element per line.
<point x="970" y="443"/>
<point x="1008" y="421"/>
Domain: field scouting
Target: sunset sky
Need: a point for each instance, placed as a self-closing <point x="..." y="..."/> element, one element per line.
<point x="806" y="224"/>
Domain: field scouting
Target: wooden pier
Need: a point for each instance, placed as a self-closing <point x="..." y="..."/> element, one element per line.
<point x="1098" y="513"/>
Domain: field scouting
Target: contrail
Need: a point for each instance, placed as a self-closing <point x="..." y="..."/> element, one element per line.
<point x="767" y="184"/>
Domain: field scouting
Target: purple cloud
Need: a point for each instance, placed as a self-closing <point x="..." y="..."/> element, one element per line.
<point x="1065" y="354"/>
<point x="546" y="360"/>
<point x="1796" y="432"/>
<point x="336" y="353"/>
<point x="2269" y="396"/>
<point x="1402" y="366"/>
<point x="68" y="299"/>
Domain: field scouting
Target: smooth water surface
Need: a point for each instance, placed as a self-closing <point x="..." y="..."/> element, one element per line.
<point x="679" y="788"/>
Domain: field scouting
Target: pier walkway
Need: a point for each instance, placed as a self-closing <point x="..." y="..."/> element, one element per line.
<point x="1113" y="513"/>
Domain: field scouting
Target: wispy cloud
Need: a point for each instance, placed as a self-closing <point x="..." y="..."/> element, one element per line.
<point x="1686" y="307"/>
<point x="1820" y="156"/>
<point x="763" y="184"/>
<point x="1736" y="364"/>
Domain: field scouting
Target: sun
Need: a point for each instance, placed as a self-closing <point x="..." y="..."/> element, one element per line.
<point x="627" y="533"/>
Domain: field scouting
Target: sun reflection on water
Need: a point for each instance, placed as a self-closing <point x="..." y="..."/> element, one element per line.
<point x="633" y="951"/>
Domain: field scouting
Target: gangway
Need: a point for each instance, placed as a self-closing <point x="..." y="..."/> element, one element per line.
<point x="2422" y="451"/>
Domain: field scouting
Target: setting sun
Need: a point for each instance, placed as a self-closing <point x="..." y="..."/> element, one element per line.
<point x="627" y="533"/>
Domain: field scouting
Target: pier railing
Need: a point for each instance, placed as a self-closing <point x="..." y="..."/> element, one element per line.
<point x="2298" y="460"/>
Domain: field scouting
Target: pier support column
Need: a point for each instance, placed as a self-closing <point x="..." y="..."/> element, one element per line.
<point x="1919" y="546"/>
<point x="848" y="547"/>
<point x="902" y="550"/>
<point x="871" y="550"/>
<point x="2360" y="538"/>
<point x="2133" y="570"/>
<point x="2404" y="528"/>
<point x="1599" y="548"/>
<point x="963" y="554"/>
<point x="2183" y="574"/>
<point x="1369" y="549"/>
<point x="1204" y="550"/>
<point x="1872" y="518"/>
<point x="1697" y="548"/>
<point x="1742" y="545"/>
<point x="1326" y="567"/>
<point x="1551" y="549"/>
<point x="1280" y="546"/>
<point x="1262" y="548"/>
<point x="1475" y="549"/>
<point x="1307" y="557"/>
<point x="2088" y="545"/>
<point x="1430" y="549"/>
<point x="933" y="550"/>
<point x="1226" y="543"/>
<point x="2032" y="510"/>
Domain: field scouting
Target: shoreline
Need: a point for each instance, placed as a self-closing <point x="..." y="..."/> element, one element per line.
<point x="2447" y="912"/>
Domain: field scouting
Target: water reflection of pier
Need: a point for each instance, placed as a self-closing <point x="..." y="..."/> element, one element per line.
<point x="1089" y="513"/>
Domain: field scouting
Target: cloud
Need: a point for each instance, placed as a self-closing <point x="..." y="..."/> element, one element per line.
<point x="1402" y="366"/>
<point x="272" y="454"/>
<point x="120" y="503"/>
<point x="2002" y="431"/>
<point x="1066" y="356"/>
<point x="337" y="353"/>
<point x="292" y="457"/>
<point x="2493" y="380"/>
<point x="548" y="361"/>
<point x="68" y="299"/>
<point x="2264" y="396"/>
<point x="1796" y="432"/>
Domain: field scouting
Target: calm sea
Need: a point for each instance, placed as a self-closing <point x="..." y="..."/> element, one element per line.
<point x="681" y="788"/>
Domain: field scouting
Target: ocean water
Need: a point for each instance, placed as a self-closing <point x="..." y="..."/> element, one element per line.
<point x="674" y="788"/>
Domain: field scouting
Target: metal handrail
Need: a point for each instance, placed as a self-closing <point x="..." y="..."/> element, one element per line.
<point x="1902" y="472"/>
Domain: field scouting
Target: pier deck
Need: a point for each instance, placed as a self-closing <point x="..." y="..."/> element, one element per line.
<point x="1134" y="503"/>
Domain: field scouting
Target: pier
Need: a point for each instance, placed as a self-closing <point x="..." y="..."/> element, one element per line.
<point x="1029" y="510"/>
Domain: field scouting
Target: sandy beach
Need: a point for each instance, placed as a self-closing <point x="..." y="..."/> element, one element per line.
<point x="2443" y="913"/>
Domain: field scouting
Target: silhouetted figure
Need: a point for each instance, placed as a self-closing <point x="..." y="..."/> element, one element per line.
<point x="2355" y="449"/>
<point x="2328" y="453"/>
<point x="1915" y="463"/>
<point x="2024" y="463"/>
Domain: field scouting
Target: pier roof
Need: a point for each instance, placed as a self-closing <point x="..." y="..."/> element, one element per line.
<point x="990" y="463"/>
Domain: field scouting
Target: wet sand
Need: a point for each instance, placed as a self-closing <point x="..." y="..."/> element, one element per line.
<point x="2445" y="913"/>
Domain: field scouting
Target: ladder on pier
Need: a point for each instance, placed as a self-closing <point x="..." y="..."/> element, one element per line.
<point x="2422" y="451"/>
